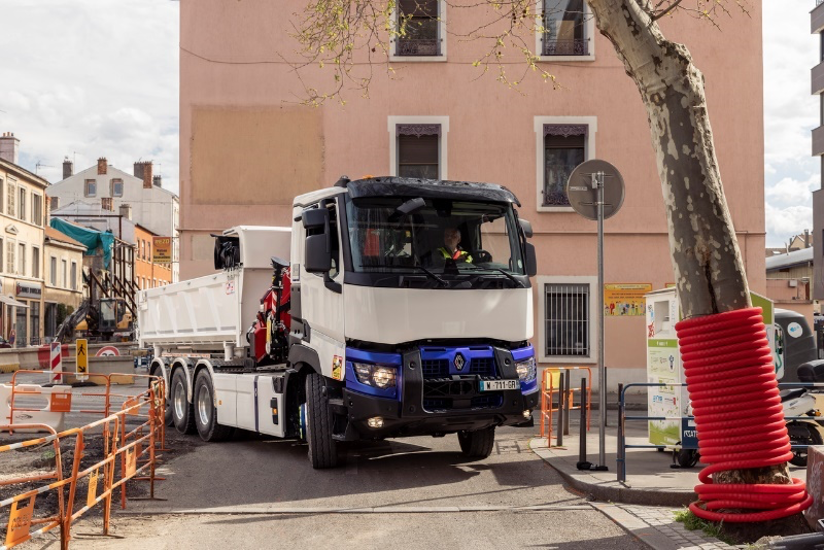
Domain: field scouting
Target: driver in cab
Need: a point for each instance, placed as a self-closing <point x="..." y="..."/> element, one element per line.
<point x="451" y="249"/>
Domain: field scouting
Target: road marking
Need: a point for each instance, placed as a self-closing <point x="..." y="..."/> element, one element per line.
<point x="369" y="510"/>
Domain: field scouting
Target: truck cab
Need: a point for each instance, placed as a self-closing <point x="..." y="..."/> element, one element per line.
<point x="412" y="299"/>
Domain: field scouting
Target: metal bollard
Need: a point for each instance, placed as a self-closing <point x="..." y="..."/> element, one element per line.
<point x="621" y="451"/>
<point x="561" y="396"/>
<point x="568" y="400"/>
<point x="582" y="432"/>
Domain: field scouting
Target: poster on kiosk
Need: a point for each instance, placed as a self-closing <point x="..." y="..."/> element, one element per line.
<point x="670" y="399"/>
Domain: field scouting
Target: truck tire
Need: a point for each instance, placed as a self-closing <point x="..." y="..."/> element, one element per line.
<point x="478" y="443"/>
<point x="182" y="411"/>
<point x="322" y="450"/>
<point x="205" y="411"/>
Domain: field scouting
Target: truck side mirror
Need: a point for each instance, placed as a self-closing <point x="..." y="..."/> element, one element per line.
<point x="526" y="227"/>
<point x="531" y="260"/>
<point x="318" y="249"/>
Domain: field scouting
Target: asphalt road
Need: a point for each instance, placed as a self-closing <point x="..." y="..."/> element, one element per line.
<point x="257" y="492"/>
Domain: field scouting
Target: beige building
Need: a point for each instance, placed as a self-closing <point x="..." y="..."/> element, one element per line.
<point x="22" y="221"/>
<point x="63" y="279"/>
<point x="247" y="148"/>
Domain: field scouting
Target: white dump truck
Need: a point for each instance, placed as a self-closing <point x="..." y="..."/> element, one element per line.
<point x="392" y="307"/>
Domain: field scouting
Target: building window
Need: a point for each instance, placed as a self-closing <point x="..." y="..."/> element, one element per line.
<point x="420" y="29"/>
<point x="2" y="251"/>
<point x="90" y="188"/>
<point x="21" y="208"/>
<point x="10" y="265"/>
<point x="65" y="272"/>
<point x="567" y="30"/>
<point x="10" y="201"/>
<point x="562" y="144"/>
<point x="35" y="262"/>
<point x="74" y="276"/>
<point x="54" y="203"/>
<point x="568" y="312"/>
<point x="53" y="271"/>
<point x="37" y="209"/>
<point x="1" y="194"/>
<point x="117" y="188"/>
<point x="417" y="147"/>
<point x="22" y="258"/>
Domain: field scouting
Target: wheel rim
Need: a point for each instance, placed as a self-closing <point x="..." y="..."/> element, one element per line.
<point x="204" y="406"/>
<point x="180" y="398"/>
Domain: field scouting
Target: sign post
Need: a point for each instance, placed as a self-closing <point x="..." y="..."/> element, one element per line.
<point x="596" y="191"/>
<point x="82" y="360"/>
<point x="55" y="362"/>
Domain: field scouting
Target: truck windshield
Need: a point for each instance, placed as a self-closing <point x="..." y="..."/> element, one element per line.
<point x="440" y="236"/>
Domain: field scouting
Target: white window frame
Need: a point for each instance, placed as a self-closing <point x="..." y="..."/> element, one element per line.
<point x="589" y="22"/>
<point x="394" y="121"/>
<point x="86" y="187"/>
<point x="422" y="58"/>
<point x="540" y="161"/>
<point x="11" y="200"/>
<point x="73" y="276"/>
<point x="542" y="281"/>
<point x="22" y="198"/>
<point x="64" y="264"/>
<point x="53" y="271"/>
<point x="22" y="250"/>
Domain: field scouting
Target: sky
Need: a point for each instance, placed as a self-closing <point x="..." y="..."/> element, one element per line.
<point x="88" y="78"/>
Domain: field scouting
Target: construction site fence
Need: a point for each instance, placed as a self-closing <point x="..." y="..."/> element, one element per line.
<point x="132" y="434"/>
<point x="552" y="399"/>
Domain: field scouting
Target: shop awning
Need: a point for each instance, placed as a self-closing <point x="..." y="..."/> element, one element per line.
<point x="9" y="301"/>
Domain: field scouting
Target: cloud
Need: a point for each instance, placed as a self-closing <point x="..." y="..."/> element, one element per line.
<point x="783" y="223"/>
<point x="792" y="192"/>
<point x="790" y="113"/>
<point x="92" y="78"/>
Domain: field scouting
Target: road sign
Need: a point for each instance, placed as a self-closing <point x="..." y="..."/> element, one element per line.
<point x="108" y="351"/>
<point x="82" y="359"/>
<point x="55" y="362"/>
<point x="596" y="191"/>
<point x="582" y="188"/>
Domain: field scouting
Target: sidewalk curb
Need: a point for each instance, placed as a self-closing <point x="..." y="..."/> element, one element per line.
<point x="611" y="491"/>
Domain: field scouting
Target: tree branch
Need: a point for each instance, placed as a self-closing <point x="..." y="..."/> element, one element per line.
<point x="665" y="11"/>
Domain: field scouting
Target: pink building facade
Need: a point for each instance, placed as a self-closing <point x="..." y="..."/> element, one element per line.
<point x="248" y="146"/>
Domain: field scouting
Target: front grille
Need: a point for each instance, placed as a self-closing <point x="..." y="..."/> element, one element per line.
<point x="435" y="368"/>
<point x="482" y="366"/>
<point x="487" y="401"/>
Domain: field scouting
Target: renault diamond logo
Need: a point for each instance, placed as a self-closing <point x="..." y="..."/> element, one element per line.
<point x="459" y="362"/>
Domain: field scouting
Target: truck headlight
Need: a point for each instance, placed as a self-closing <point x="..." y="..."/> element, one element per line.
<point x="376" y="375"/>
<point x="527" y="370"/>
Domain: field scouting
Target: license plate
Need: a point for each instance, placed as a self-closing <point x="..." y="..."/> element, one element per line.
<point x="499" y="385"/>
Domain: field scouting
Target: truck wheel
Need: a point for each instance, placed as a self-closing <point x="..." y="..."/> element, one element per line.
<point x="205" y="411"/>
<point x="477" y="444"/>
<point x="322" y="450"/>
<point x="182" y="410"/>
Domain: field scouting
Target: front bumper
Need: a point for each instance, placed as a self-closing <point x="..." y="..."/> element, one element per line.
<point x="438" y="406"/>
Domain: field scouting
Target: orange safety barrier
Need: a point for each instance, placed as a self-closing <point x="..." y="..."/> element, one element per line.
<point x="550" y="385"/>
<point x="134" y="448"/>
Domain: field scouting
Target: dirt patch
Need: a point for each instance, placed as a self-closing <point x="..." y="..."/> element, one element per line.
<point x="40" y="460"/>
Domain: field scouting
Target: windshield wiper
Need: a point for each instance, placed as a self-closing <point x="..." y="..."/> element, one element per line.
<point x="499" y="270"/>
<point x="429" y="273"/>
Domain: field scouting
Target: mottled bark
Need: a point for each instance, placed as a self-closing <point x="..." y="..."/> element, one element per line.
<point x="706" y="260"/>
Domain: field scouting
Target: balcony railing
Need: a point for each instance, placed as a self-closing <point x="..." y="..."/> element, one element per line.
<point x="817" y="17"/>
<point x="818" y="141"/>
<point x="575" y="46"/>
<point x="418" y="47"/>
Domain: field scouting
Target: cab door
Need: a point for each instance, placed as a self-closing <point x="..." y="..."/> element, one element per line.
<point x="321" y="290"/>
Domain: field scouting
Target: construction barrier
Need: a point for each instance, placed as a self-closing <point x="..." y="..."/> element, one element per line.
<point x="550" y="386"/>
<point x="130" y="439"/>
<point x="53" y="414"/>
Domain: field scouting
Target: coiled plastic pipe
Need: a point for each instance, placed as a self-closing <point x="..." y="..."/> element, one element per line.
<point x="731" y="381"/>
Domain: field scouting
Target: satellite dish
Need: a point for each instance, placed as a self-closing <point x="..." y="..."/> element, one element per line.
<point x="582" y="189"/>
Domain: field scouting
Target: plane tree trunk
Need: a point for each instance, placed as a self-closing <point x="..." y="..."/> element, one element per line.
<point x="706" y="259"/>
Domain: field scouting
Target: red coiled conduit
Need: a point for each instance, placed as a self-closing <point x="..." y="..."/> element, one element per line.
<point x="731" y="381"/>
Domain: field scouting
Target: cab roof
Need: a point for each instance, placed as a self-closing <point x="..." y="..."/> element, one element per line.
<point x="427" y="188"/>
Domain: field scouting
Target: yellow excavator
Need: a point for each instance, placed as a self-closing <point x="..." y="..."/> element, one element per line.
<point x="107" y="320"/>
